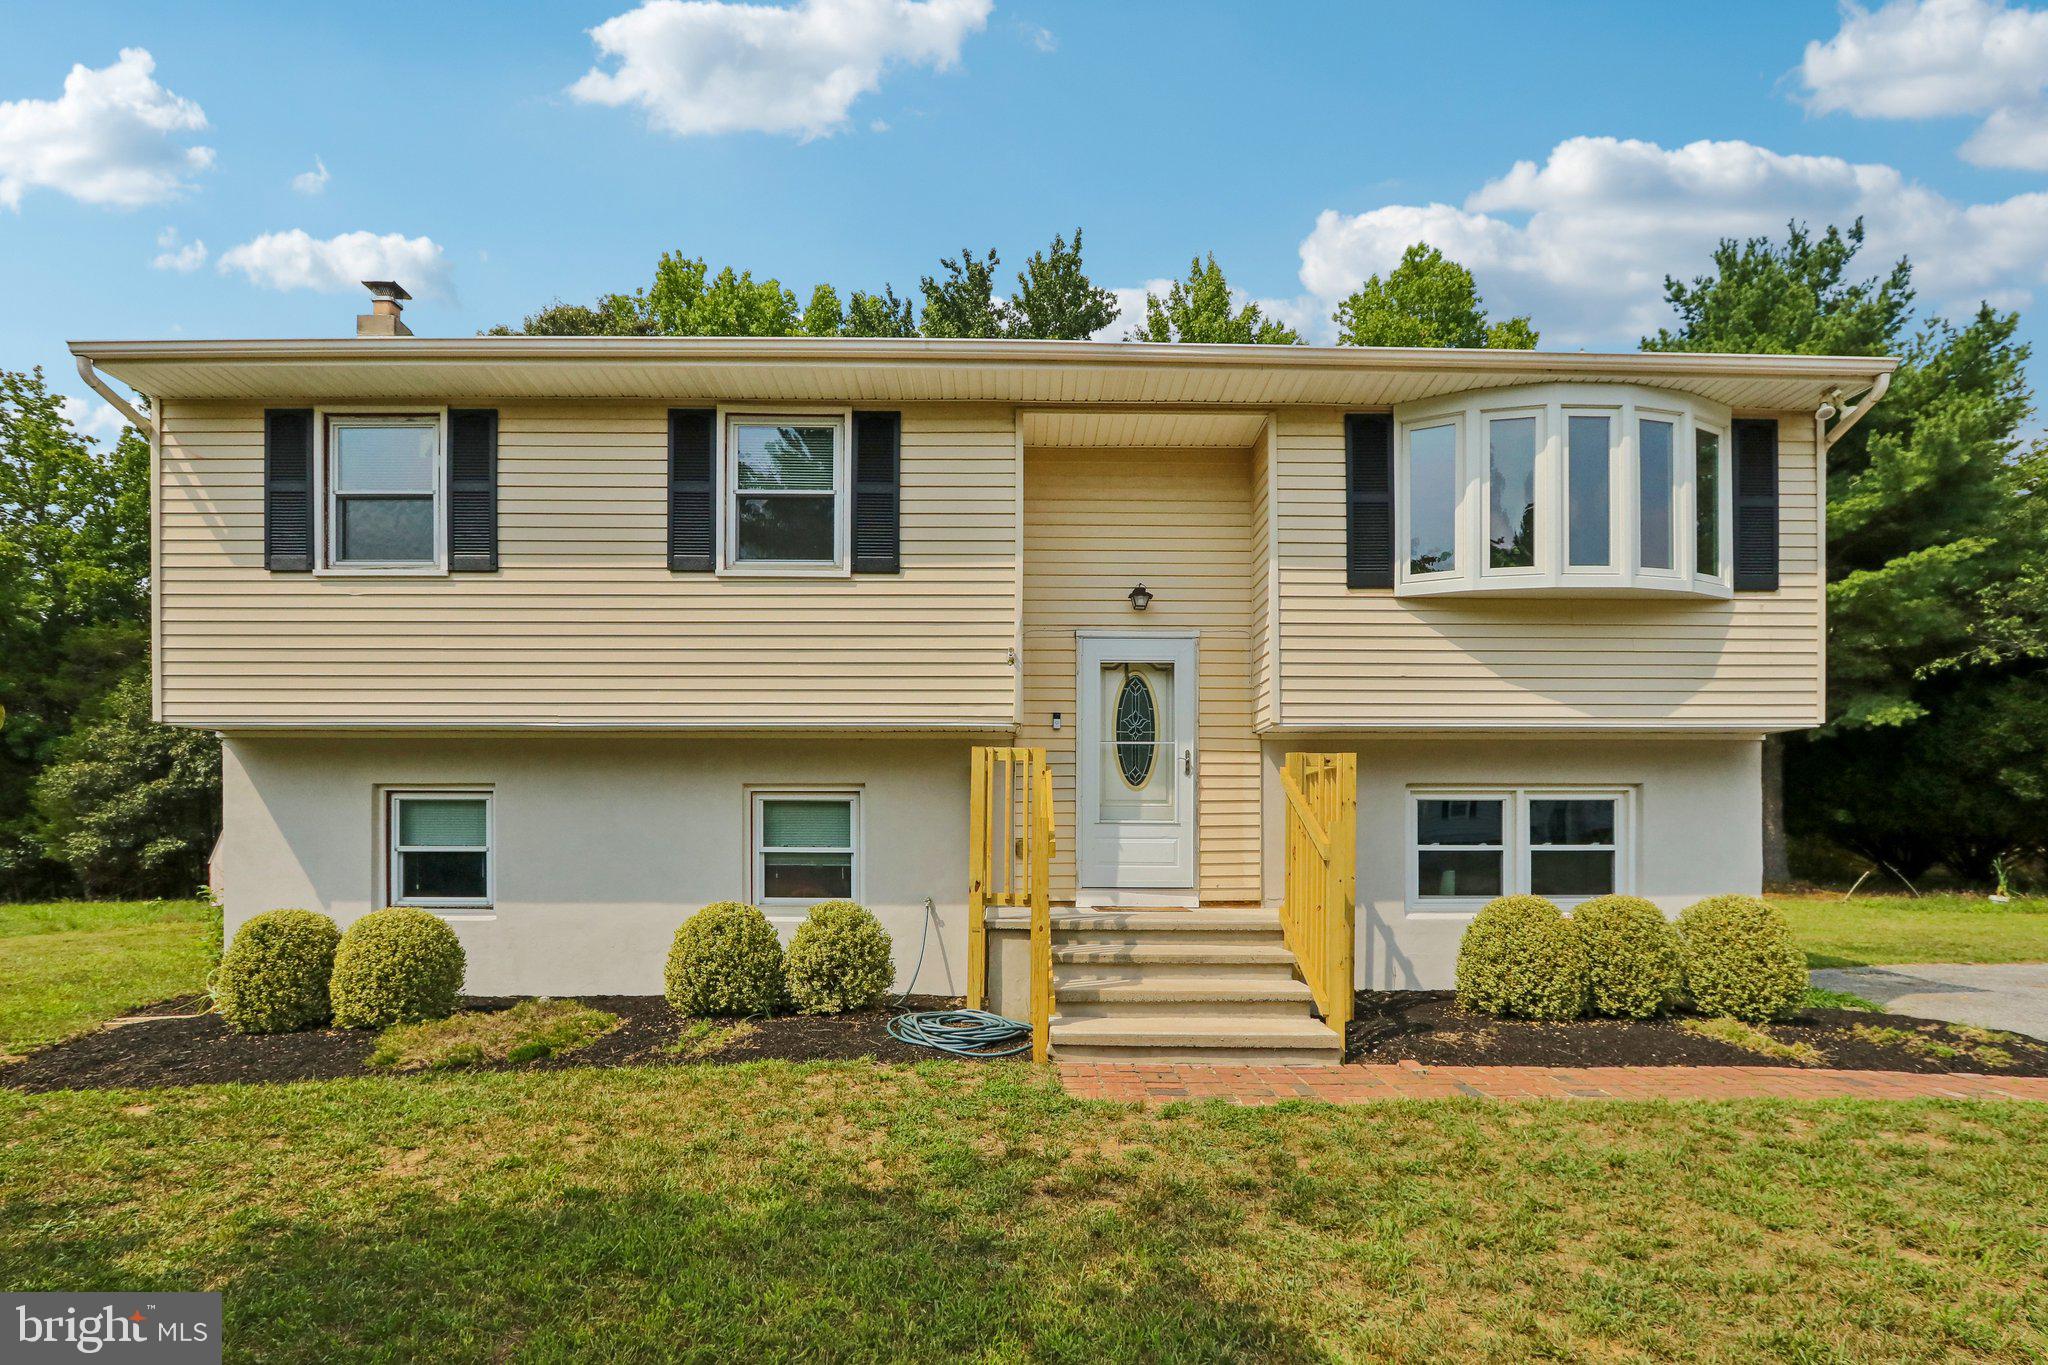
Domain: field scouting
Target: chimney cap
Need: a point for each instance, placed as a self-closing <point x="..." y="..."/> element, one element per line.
<point x="386" y="289"/>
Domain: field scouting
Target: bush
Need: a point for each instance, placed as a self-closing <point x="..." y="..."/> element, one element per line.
<point x="1521" y="958"/>
<point x="273" y="978"/>
<point x="396" y="966"/>
<point x="1634" y="969"/>
<point x="839" y="960"/>
<point x="1740" y="960"/>
<point x="726" y="960"/>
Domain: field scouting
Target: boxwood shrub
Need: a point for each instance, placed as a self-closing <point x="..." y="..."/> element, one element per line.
<point x="396" y="966"/>
<point x="1521" y="958"/>
<point x="1740" y="960"/>
<point x="725" y="961"/>
<point x="839" y="960"/>
<point x="273" y="977"/>
<point x="1634" y="969"/>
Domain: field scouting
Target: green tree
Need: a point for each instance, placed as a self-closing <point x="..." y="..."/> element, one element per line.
<point x="1937" y="616"/>
<point x="1426" y="300"/>
<point x="74" y="572"/>
<point x="1055" y="300"/>
<point x="822" y="315"/>
<point x="131" y="807"/>
<point x="960" y="301"/>
<point x="1199" y="309"/>
<point x="880" y="315"/>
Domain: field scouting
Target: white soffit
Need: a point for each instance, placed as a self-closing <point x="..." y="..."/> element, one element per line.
<point x="1154" y="429"/>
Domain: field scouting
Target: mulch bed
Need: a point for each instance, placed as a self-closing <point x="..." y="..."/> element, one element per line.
<point x="1428" y="1027"/>
<point x="203" y="1051"/>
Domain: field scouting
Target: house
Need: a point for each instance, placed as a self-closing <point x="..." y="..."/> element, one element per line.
<point x="563" y="638"/>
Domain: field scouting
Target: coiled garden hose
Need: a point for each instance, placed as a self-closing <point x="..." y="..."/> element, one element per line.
<point x="963" y="1033"/>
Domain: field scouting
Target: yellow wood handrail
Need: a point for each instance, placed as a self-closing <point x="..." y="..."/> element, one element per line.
<point x="1317" y="911"/>
<point x="1011" y="841"/>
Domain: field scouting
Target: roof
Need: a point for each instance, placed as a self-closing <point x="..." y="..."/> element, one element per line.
<point x="795" y="369"/>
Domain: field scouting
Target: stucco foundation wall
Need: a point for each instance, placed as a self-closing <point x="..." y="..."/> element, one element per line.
<point x="602" y="846"/>
<point x="1698" y="814"/>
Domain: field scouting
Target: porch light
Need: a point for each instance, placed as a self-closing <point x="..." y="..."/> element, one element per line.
<point x="1140" y="598"/>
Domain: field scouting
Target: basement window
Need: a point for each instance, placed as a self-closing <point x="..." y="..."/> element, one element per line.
<point x="805" y="846"/>
<point x="440" y="848"/>
<point x="1468" y="846"/>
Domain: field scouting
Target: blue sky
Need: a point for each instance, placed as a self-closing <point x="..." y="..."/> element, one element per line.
<point x="498" y="156"/>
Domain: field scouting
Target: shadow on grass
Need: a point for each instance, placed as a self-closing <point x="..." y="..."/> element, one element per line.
<point x="842" y="1272"/>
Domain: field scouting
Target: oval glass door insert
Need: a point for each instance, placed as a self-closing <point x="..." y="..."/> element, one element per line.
<point x="1137" y="730"/>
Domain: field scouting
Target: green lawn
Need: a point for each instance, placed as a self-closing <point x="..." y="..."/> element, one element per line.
<point x="861" y="1212"/>
<point x="1879" y="929"/>
<point x="66" y="966"/>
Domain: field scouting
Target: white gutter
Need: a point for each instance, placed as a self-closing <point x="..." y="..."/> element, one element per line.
<point x="121" y="405"/>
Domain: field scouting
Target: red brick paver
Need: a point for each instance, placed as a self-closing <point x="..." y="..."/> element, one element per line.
<point x="1162" y="1082"/>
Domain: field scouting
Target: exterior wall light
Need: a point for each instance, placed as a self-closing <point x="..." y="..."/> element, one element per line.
<point x="1140" y="598"/>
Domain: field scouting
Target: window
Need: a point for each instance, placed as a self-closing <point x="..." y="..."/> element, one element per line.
<point x="383" y="491"/>
<point x="440" y="848"/>
<point x="787" y="481"/>
<point x="1433" y="500"/>
<point x="1588" y="474"/>
<point x="1706" y="483"/>
<point x="1470" y="846"/>
<point x="1653" y="486"/>
<point x="1511" y="484"/>
<point x="804" y="846"/>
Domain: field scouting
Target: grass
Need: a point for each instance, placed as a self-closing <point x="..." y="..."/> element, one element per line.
<point x="527" y="1032"/>
<point x="1818" y="998"/>
<point x="1874" y="930"/>
<point x="850" y="1211"/>
<point x="1979" y="1045"/>
<point x="1750" y="1038"/>
<point x="67" y="966"/>
<point x="702" y="1037"/>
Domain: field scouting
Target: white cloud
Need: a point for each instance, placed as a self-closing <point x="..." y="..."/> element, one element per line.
<point x="1583" y="241"/>
<point x="1041" y="38"/>
<point x="296" y="260"/>
<point x="110" y="139"/>
<point x="91" y="417"/>
<point x="1938" y="58"/>
<point x="701" y="66"/>
<point x="313" y="181"/>
<point x="880" y="125"/>
<point x="178" y="254"/>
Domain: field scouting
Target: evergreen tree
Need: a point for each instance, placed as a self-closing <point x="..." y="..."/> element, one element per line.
<point x="1426" y="300"/>
<point x="1055" y="300"/>
<point x="1199" y="309"/>
<point x="961" y="301"/>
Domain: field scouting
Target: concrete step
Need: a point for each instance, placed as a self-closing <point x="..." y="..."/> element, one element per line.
<point x="1099" y="994"/>
<point x="1190" y="1037"/>
<point x="1184" y="966"/>
<point x="1175" y="952"/>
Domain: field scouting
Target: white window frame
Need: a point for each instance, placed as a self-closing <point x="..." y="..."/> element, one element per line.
<point x="1516" y="848"/>
<point x="758" y="798"/>
<point x="324" y="520"/>
<point x="393" y="869"/>
<point x="1624" y="406"/>
<point x="1724" y="488"/>
<point x="729" y="562"/>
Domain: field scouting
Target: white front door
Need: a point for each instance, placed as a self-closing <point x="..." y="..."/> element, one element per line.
<point x="1135" y="763"/>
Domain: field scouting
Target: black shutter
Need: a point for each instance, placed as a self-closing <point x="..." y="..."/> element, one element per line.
<point x="1756" y="505"/>
<point x="1369" y="500"/>
<point x="877" y="473"/>
<point x="288" y="489"/>
<point x="472" y="490"/>
<point x="692" y="485"/>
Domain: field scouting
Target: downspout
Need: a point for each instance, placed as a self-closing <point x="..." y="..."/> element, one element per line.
<point x="121" y="405"/>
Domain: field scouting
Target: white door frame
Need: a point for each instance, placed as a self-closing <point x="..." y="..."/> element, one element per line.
<point x="1098" y="883"/>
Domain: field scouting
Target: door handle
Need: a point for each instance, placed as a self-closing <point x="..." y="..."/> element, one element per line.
<point x="1187" y="761"/>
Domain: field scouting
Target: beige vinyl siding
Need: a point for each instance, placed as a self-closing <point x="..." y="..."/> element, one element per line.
<point x="1098" y="521"/>
<point x="1365" y="658"/>
<point x="1265" y="670"/>
<point x="585" y="624"/>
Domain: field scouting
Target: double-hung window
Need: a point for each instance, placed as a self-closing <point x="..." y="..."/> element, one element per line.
<point x="383" y="484"/>
<point x="805" y="846"/>
<point x="1470" y="846"/>
<point x="786" y="492"/>
<point x="440" y="848"/>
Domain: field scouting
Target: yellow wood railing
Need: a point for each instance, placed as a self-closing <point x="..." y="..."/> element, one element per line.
<point x="1322" y="876"/>
<point x="1010" y="848"/>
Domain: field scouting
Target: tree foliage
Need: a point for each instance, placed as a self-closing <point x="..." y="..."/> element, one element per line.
<point x="880" y="315"/>
<point x="1426" y="300"/>
<point x="1200" y="308"/>
<point x="1055" y="300"/>
<point x="960" y="300"/>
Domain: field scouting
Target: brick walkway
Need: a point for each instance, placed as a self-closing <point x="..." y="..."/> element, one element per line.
<point x="1161" y="1082"/>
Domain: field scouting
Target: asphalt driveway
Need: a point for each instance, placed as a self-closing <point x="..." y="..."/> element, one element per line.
<point x="2009" y="995"/>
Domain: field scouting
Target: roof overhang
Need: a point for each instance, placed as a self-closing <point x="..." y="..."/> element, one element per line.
<point x="1054" y="373"/>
